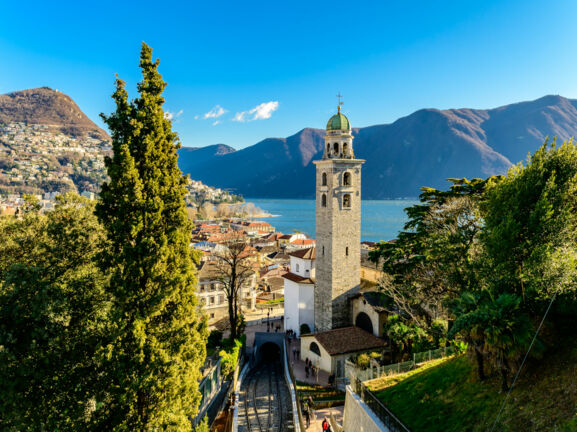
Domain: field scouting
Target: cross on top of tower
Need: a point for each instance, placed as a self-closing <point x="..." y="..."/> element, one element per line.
<point x="340" y="103"/>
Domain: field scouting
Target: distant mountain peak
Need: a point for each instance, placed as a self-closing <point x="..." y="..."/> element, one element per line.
<point x="52" y="108"/>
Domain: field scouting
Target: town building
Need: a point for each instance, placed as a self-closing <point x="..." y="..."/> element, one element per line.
<point x="299" y="291"/>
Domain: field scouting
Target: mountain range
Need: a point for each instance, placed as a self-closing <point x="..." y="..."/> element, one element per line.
<point x="422" y="149"/>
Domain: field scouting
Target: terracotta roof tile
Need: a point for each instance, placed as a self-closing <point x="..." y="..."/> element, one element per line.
<point x="347" y="340"/>
<point x="308" y="253"/>
<point x="298" y="279"/>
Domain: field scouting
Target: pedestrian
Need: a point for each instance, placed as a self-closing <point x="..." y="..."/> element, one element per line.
<point x="307" y="361"/>
<point x="298" y="353"/>
<point x="307" y="371"/>
<point x="307" y="417"/>
<point x="326" y="425"/>
<point x="294" y="353"/>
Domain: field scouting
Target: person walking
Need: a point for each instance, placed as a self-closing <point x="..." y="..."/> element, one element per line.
<point x="326" y="425"/>
<point x="307" y="415"/>
<point x="307" y="371"/>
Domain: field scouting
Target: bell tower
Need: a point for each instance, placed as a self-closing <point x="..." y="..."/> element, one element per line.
<point x="338" y="226"/>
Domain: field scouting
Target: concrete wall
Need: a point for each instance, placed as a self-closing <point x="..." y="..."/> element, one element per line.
<point x="324" y="361"/>
<point x="307" y="306"/>
<point x="299" y="305"/>
<point x="306" y="268"/>
<point x="291" y="305"/>
<point x="358" y="417"/>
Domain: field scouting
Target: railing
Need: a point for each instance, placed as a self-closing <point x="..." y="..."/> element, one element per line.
<point x="373" y="372"/>
<point x="381" y="411"/>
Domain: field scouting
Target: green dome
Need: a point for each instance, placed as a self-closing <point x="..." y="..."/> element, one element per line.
<point x="338" y="122"/>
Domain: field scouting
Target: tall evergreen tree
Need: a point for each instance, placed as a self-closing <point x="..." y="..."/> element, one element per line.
<point x="157" y="340"/>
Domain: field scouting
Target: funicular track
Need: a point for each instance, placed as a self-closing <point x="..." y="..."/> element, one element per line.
<point x="265" y="401"/>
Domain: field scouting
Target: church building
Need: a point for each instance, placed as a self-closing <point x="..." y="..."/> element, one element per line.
<point x="338" y="254"/>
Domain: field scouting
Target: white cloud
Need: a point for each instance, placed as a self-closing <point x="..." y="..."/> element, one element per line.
<point x="172" y="116"/>
<point x="260" y="112"/>
<point x="217" y="122"/>
<point x="216" y="112"/>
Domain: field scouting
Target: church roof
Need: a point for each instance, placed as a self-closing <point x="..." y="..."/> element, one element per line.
<point x="348" y="340"/>
<point x="338" y="122"/>
<point x="308" y="253"/>
<point x="298" y="279"/>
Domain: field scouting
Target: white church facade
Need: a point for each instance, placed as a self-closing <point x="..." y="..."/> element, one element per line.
<point x="299" y="286"/>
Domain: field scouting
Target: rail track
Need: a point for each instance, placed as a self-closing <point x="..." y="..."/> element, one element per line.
<point x="265" y="402"/>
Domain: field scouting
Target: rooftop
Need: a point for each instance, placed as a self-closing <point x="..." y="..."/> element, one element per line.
<point x="308" y="253"/>
<point x="347" y="340"/>
<point x="298" y="279"/>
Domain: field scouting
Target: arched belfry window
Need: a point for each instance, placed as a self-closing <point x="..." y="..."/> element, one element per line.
<point x="328" y="149"/>
<point x="323" y="200"/>
<point x="315" y="348"/>
<point x="324" y="179"/>
<point x="345" y="149"/>
<point x="346" y="179"/>
<point x="336" y="148"/>
<point x="346" y="201"/>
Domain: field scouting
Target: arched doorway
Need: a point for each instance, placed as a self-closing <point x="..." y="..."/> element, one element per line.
<point x="364" y="321"/>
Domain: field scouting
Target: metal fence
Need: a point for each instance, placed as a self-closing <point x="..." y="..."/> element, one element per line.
<point x="376" y="371"/>
<point x="381" y="411"/>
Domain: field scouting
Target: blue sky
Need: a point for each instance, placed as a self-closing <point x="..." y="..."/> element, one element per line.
<point x="277" y="66"/>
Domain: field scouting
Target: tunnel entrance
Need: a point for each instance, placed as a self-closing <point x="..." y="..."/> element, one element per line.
<point x="269" y="352"/>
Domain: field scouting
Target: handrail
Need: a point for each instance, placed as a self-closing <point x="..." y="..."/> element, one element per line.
<point x="380" y="409"/>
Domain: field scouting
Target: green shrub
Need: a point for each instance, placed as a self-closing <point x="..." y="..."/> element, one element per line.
<point x="305" y="329"/>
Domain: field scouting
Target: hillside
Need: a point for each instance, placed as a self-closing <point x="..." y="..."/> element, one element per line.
<point x="447" y="396"/>
<point x="424" y="148"/>
<point x="49" y="108"/>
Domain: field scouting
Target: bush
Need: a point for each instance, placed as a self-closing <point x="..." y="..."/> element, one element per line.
<point x="305" y="329"/>
<point x="230" y="358"/>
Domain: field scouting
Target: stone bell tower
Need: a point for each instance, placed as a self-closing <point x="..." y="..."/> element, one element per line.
<point x="338" y="225"/>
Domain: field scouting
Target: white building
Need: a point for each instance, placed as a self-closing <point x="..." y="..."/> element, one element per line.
<point x="299" y="284"/>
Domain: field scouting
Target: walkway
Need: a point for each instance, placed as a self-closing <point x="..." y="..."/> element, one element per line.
<point x="320" y="414"/>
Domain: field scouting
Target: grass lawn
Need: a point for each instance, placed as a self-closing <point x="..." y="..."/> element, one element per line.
<point x="445" y="395"/>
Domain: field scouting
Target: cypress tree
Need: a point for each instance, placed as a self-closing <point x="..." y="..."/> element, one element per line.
<point x="156" y="339"/>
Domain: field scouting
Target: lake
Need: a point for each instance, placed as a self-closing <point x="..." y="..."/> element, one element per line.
<point x="380" y="219"/>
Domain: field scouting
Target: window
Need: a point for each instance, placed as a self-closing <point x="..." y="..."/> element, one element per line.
<point x="211" y="300"/>
<point x="324" y="181"/>
<point x="211" y="315"/>
<point x="323" y="200"/>
<point x="346" y="179"/>
<point x="347" y="251"/>
<point x="297" y="268"/>
<point x="346" y="201"/>
<point x="328" y="149"/>
<point x="323" y="251"/>
<point x="336" y="148"/>
<point x="202" y="288"/>
<point x="220" y="299"/>
<point x="212" y="287"/>
<point x="315" y="348"/>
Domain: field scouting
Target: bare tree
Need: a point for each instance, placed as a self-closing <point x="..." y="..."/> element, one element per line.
<point x="235" y="269"/>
